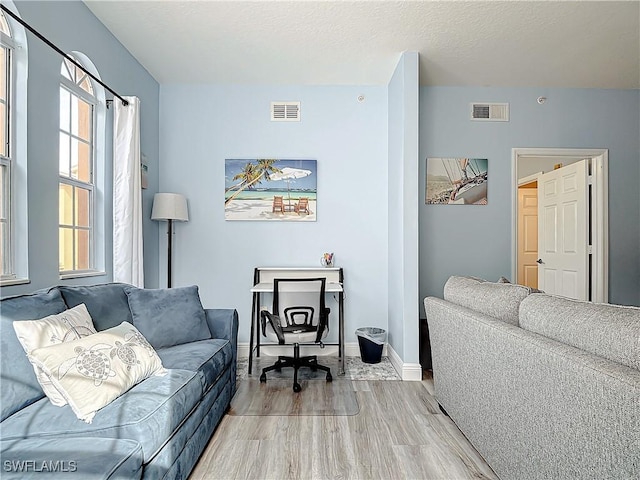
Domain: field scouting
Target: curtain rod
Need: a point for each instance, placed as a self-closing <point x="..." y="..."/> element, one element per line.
<point x="68" y="57"/>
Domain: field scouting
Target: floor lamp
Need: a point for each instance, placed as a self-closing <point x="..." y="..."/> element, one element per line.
<point x="171" y="207"/>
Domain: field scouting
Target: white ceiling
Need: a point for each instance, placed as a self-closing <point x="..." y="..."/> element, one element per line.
<point x="479" y="43"/>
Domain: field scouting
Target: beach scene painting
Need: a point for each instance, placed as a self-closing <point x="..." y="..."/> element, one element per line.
<point x="456" y="181"/>
<point x="270" y="190"/>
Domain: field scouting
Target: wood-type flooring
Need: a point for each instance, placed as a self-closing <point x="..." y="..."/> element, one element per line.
<point x="398" y="433"/>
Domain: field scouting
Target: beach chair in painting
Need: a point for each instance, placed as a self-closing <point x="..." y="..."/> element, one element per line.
<point x="302" y="206"/>
<point x="278" y="204"/>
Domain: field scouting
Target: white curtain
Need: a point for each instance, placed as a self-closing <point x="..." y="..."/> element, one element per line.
<point x="127" y="194"/>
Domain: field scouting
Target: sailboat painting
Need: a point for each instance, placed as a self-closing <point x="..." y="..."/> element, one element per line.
<point x="456" y="181"/>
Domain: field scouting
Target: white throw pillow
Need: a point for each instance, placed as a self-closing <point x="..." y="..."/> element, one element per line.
<point x="69" y="325"/>
<point x="95" y="370"/>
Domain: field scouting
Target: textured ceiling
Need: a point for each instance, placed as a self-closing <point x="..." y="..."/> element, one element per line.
<point x="513" y="43"/>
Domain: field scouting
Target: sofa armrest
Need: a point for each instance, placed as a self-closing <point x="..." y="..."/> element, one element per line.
<point x="223" y="323"/>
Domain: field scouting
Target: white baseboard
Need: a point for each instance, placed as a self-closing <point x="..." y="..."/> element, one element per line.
<point x="407" y="371"/>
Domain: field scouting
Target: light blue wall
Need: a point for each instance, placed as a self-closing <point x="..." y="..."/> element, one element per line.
<point x="72" y="27"/>
<point x="476" y="240"/>
<point x="403" y="208"/>
<point x="202" y="125"/>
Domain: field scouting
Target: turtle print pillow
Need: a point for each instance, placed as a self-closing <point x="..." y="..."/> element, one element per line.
<point x="93" y="371"/>
<point x="69" y="325"/>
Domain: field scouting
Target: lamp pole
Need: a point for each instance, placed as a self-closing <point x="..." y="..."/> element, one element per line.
<point x="169" y="241"/>
<point x="169" y="207"/>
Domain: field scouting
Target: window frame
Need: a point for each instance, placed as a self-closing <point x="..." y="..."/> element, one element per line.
<point x="7" y="269"/>
<point x="18" y="207"/>
<point x="74" y="89"/>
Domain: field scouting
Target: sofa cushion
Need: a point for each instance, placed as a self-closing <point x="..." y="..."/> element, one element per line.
<point x="609" y="331"/>
<point x="82" y="458"/>
<point x="499" y="300"/>
<point x="63" y="327"/>
<point x="92" y="371"/>
<point x="107" y="303"/>
<point x="150" y="413"/>
<point x="183" y="449"/>
<point x="210" y="358"/>
<point x="20" y="386"/>
<point x="168" y="317"/>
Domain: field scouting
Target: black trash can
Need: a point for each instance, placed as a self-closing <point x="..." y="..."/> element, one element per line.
<point x="371" y="341"/>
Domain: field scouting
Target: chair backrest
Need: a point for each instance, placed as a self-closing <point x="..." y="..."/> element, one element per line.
<point x="303" y="202"/>
<point x="300" y="303"/>
<point x="277" y="201"/>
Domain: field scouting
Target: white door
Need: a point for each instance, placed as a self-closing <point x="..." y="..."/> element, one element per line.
<point x="563" y="231"/>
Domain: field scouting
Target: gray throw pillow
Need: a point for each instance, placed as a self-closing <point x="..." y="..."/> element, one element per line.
<point x="504" y="279"/>
<point x="168" y="317"/>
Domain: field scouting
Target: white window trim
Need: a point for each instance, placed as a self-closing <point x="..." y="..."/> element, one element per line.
<point x="9" y="161"/>
<point x="18" y="189"/>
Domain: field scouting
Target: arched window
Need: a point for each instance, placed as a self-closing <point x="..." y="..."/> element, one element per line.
<point x="80" y="244"/>
<point x="13" y="148"/>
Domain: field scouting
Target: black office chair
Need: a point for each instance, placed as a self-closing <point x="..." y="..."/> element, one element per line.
<point x="299" y="315"/>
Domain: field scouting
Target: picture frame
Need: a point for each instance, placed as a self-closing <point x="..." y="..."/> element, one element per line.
<point x="267" y="189"/>
<point x="456" y="181"/>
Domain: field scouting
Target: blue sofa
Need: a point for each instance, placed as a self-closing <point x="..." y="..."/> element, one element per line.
<point x="157" y="429"/>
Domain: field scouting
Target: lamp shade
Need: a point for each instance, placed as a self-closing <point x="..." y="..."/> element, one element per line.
<point x="169" y="206"/>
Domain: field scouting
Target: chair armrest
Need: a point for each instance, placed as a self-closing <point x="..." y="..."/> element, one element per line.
<point x="223" y="323"/>
<point x="274" y="320"/>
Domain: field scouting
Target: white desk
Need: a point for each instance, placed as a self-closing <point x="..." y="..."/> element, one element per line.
<point x="263" y="283"/>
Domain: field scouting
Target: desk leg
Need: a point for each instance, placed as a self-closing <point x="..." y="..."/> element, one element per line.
<point x="258" y="325"/>
<point x="254" y="307"/>
<point x="341" y="351"/>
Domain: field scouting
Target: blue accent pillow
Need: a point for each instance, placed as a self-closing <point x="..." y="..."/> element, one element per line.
<point x="168" y="317"/>
<point x="107" y="304"/>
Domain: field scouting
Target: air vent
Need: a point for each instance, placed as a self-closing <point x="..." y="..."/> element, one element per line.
<point x="285" y="111"/>
<point x="490" y="112"/>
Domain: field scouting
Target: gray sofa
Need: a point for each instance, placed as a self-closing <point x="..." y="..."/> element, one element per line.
<point x="157" y="429"/>
<point x="544" y="387"/>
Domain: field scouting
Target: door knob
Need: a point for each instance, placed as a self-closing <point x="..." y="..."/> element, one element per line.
<point x="539" y="261"/>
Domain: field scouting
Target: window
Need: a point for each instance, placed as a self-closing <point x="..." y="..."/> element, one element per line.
<point x="76" y="171"/>
<point x="14" y="255"/>
<point x="6" y="151"/>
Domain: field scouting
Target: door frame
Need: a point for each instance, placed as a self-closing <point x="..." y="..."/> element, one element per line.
<point x="599" y="206"/>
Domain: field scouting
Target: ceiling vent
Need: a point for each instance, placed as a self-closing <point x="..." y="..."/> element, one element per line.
<point x="490" y="112"/>
<point x="285" y="111"/>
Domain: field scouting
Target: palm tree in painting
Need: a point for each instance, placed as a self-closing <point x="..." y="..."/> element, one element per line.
<point x="246" y="175"/>
<point x="253" y="174"/>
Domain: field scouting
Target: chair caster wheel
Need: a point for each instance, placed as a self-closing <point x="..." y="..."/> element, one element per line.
<point x="329" y="377"/>
<point x="263" y="378"/>
<point x="296" y="387"/>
